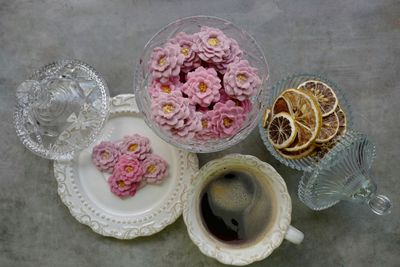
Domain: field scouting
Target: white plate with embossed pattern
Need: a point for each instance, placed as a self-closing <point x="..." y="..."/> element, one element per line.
<point x="85" y="191"/>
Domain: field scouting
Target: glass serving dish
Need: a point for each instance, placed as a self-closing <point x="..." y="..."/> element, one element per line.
<point x="344" y="174"/>
<point x="252" y="52"/>
<point x="308" y="162"/>
<point x="61" y="109"/>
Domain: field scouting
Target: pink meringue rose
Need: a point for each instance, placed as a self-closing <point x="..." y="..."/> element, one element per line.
<point x="223" y="96"/>
<point x="166" y="62"/>
<point x="171" y="86"/>
<point x="212" y="45"/>
<point x="121" y="186"/>
<point x="202" y="86"/>
<point x="241" y="80"/>
<point x="105" y="155"/>
<point x="186" y="44"/>
<point x="245" y="104"/>
<point x="136" y="146"/>
<point x="206" y="132"/>
<point x="233" y="55"/>
<point x="227" y="119"/>
<point x="191" y="126"/>
<point x="155" y="169"/>
<point x="170" y="111"/>
<point x="129" y="167"/>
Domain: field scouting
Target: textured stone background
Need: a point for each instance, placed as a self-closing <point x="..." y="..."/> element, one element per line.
<point x="355" y="43"/>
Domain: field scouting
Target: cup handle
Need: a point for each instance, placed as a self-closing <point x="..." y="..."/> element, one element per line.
<point x="293" y="235"/>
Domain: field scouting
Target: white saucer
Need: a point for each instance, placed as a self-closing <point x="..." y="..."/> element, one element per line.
<point x="84" y="189"/>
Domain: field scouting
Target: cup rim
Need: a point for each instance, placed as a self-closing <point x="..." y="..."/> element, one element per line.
<point x="239" y="255"/>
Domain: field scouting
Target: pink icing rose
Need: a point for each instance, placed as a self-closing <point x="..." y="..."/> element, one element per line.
<point x="202" y="86"/>
<point x="190" y="126"/>
<point x="206" y="132"/>
<point x="212" y="45"/>
<point x="224" y="96"/>
<point x="170" y="111"/>
<point x="121" y="186"/>
<point x="128" y="167"/>
<point x="155" y="169"/>
<point x="227" y="119"/>
<point x="105" y="155"/>
<point x="167" y="87"/>
<point x="185" y="42"/>
<point x="136" y="146"/>
<point x="233" y="55"/>
<point x="166" y="62"/>
<point x="241" y="80"/>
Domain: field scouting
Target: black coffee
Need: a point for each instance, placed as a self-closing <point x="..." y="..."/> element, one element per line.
<point x="235" y="207"/>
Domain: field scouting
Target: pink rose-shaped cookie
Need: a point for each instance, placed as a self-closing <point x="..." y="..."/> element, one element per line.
<point x="129" y="167"/>
<point x="206" y="132"/>
<point x="121" y="186"/>
<point x="212" y="45"/>
<point x="190" y="127"/>
<point x="233" y="55"/>
<point x="227" y="119"/>
<point x="155" y="169"/>
<point x="186" y="44"/>
<point x="171" y="86"/>
<point x="105" y="155"/>
<point x="202" y="86"/>
<point x="166" y="62"/>
<point x="136" y="146"/>
<point x="241" y="80"/>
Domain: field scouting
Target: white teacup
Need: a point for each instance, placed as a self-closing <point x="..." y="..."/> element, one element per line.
<point x="278" y="228"/>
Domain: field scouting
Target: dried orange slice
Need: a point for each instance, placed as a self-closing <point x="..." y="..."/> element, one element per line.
<point x="281" y="105"/>
<point x="325" y="95"/>
<point x="296" y="154"/>
<point x="282" y="130"/>
<point x="266" y="118"/>
<point x="342" y="120"/>
<point x="307" y="116"/>
<point x="329" y="128"/>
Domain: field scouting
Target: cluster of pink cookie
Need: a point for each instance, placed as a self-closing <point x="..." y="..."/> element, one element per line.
<point x="201" y="87"/>
<point x="130" y="163"/>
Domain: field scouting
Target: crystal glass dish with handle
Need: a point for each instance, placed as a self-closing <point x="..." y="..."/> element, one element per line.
<point x="61" y="109"/>
<point x="251" y="52"/>
<point x="308" y="162"/>
<point x="344" y="174"/>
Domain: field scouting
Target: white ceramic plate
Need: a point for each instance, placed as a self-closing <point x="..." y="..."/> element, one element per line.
<point x="85" y="192"/>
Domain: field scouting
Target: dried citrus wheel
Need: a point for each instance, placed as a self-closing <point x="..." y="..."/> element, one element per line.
<point x="296" y="154"/>
<point x="329" y="128"/>
<point x="281" y="105"/>
<point x="307" y="116"/>
<point x="281" y="131"/>
<point x="325" y="95"/>
<point x="266" y="118"/>
<point x="342" y="120"/>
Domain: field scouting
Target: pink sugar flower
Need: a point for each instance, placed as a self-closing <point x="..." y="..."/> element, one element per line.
<point x="129" y="168"/>
<point x="166" y="62"/>
<point x="186" y="44"/>
<point x="223" y="96"/>
<point x="105" y="155"/>
<point x="206" y="132"/>
<point x="245" y="104"/>
<point x="227" y="119"/>
<point x="202" y="86"/>
<point x="190" y="126"/>
<point x="170" y="111"/>
<point x="171" y="86"/>
<point x="233" y="55"/>
<point x="212" y="45"/>
<point x="241" y="80"/>
<point x="136" y="146"/>
<point x="155" y="169"/>
<point x="121" y="186"/>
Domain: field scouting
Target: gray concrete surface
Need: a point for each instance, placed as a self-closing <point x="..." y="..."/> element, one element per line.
<point x="356" y="43"/>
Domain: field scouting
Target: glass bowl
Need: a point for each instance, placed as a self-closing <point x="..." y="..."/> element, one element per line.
<point x="251" y="52"/>
<point x="61" y="109"/>
<point x="309" y="162"/>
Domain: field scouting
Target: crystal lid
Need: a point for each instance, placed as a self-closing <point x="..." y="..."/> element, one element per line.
<point x="61" y="109"/>
<point x="343" y="174"/>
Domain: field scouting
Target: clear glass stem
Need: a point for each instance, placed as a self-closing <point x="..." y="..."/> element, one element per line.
<point x="379" y="204"/>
